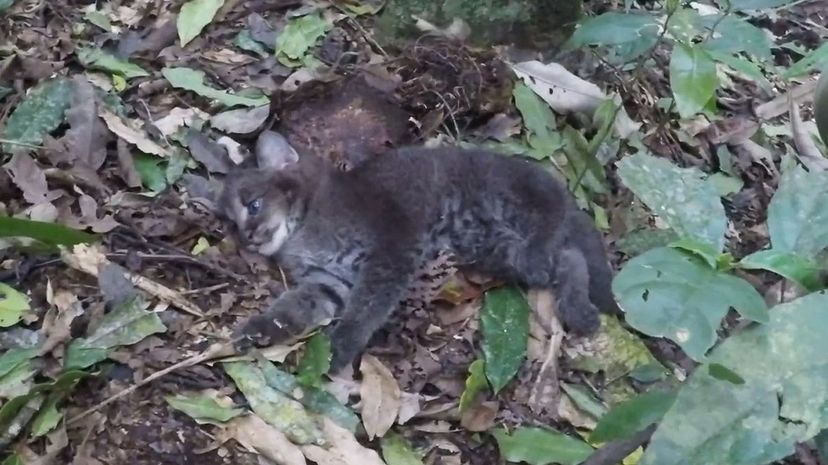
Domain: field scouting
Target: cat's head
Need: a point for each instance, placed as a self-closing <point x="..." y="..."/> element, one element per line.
<point x="259" y="199"/>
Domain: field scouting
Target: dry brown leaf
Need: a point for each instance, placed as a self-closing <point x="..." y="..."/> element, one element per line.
<point x="562" y="90"/>
<point x="135" y="136"/>
<point x="480" y="416"/>
<point x="31" y="179"/>
<point x="242" y="120"/>
<point x="258" y="436"/>
<point x="87" y="136"/>
<point x="57" y="323"/>
<point x="545" y="326"/>
<point x="409" y="407"/>
<point x="177" y="118"/>
<point x="806" y="149"/>
<point x="380" y="396"/>
<point x="90" y="259"/>
<point x="803" y="93"/>
<point x="344" y="449"/>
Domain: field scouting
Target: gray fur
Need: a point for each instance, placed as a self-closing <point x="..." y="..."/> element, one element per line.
<point x="353" y="240"/>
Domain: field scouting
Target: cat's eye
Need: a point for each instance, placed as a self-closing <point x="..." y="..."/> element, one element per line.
<point x="254" y="207"/>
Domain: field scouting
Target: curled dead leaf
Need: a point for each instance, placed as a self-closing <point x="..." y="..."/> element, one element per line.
<point x="380" y="396"/>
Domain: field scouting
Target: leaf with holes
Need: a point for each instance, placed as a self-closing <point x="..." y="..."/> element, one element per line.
<point x="669" y="293"/>
<point x="679" y="196"/>
<point x="781" y="402"/>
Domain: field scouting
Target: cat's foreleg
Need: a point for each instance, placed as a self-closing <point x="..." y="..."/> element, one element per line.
<point x="571" y="286"/>
<point x="378" y="290"/>
<point x="296" y="312"/>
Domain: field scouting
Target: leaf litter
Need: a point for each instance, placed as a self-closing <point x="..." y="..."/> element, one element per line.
<point x="176" y="98"/>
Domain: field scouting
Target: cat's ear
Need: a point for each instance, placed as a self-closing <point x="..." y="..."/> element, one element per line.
<point x="274" y="152"/>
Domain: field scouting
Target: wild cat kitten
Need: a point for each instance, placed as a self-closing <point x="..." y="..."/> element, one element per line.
<point x="352" y="241"/>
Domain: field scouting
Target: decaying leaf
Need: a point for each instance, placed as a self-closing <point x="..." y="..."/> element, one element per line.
<point x="190" y="79"/>
<point x="344" y="449"/>
<point x="205" y="407"/>
<point x="562" y="90"/>
<point x="133" y="135"/>
<point x="380" y="396"/>
<point x="257" y="436"/>
<point x="40" y="113"/>
<point x="241" y="121"/>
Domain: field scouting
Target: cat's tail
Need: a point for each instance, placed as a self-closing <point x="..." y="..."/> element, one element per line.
<point x="589" y="241"/>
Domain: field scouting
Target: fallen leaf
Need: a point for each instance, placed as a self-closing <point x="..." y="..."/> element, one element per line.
<point x="380" y="396"/>
<point x="562" y="90"/>
<point x="194" y="16"/>
<point x="13" y="305"/>
<point x="178" y="118"/>
<point x="31" y="179"/>
<point x="40" y="113"/>
<point x="204" y="407"/>
<point x="241" y="121"/>
<point x="257" y="436"/>
<point x="135" y="136"/>
<point x="344" y="448"/>
<point x="480" y="416"/>
<point x="397" y="451"/>
<point x="806" y="149"/>
<point x="97" y="59"/>
<point x="190" y="79"/>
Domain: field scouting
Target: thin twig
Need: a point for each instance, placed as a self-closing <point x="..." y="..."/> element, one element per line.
<point x="215" y="350"/>
<point x="22" y="144"/>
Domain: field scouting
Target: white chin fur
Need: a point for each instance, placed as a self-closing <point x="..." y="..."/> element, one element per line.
<point x="273" y="245"/>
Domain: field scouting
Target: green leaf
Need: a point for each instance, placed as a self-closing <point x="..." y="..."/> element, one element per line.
<point x="798" y="269"/>
<point x="746" y="67"/>
<point x="797" y="216"/>
<point x="200" y="246"/>
<point x="298" y="36"/>
<point x="703" y="250"/>
<point x="782" y="401"/>
<point x="724" y="373"/>
<point x="98" y="19"/>
<point x="316" y="361"/>
<point x="735" y="35"/>
<point x="13" y="305"/>
<point x="537" y="446"/>
<point x="537" y="116"/>
<point x="584" y="400"/>
<point x="692" y="79"/>
<point x="668" y="293"/>
<point x="632" y="416"/>
<point x="13" y="358"/>
<point x="18" y="379"/>
<point x="724" y="184"/>
<point x="194" y="16"/>
<point x="47" y="418"/>
<point x="504" y="322"/>
<point x="93" y="58"/>
<point x="475" y="383"/>
<point x="813" y="60"/>
<point x="639" y="241"/>
<point x="202" y="408"/>
<point x="742" y="5"/>
<point x="630" y="35"/>
<point x="126" y="324"/>
<point x="48" y="233"/>
<point x="245" y="41"/>
<point x="316" y="400"/>
<point x="190" y="79"/>
<point x="396" y="451"/>
<point x="151" y="169"/>
<point x="40" y="113"/>
<point x="276" y="408"/>
<point x="13" y="459"/>
<point x="679" y="196"/>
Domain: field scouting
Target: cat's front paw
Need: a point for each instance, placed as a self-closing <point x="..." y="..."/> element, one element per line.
<point x="261" y="331"/>
<point x="579" y="316"/>
<point x="347" y="341"/>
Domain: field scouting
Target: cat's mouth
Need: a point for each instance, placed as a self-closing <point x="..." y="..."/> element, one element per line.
<point x="268" y="241"/>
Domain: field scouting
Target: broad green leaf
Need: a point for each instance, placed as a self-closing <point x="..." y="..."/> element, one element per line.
<point x="724" y="373"/>
<point x="782" y="401"/>
<point x="815" y="59"/>
<point x="127" y="323"/>
<point x="537" y="446"/>
<point x="48" y="233"/>
<point x="584" y="400"/>
<point x="821" y="443"/>
<point x="632" y="416"/>
<point x="746" y="67"/>
<point x="692" y="79"/>
<point x="396" y="451"/>
<point x="797" y="214"/>
<point x="202" y="408"/>
<point x="724" y="184"/>
<point x="93" y="58"/>
<point x="12" y="358"/>
<point x="504" y="322"/>
<point x="4" y="5"/>
<point x="40" y="113"/>
<point x="316" y="400"/>
<point x="315" y="362"/>
<point x="679" y="196"/>
<point x="475" y="383"/>
<point x="581" y="160"/>
<point x="702" y="250"/>
<point x="630" y="35"/>
<point x="47" y="418"/>
<point x="298" y="36"/>
<point x="669" y="293"/>
<point x="244" y="40"/>
<point x="194" y="16"/>
<point x="151" y="169"/>
<point x="18" y="381"/>
<point x="13" y="305"/>
<point x="735" y="35"/>
<point x="13" y="459"/>
<point x="685" y="25"/>
<point x="190" y="79"/>
<point x="536" y="114"/>
<point x="276" y="408"/>
<point x="614" y="351"/>
<point x="794" y="267"/>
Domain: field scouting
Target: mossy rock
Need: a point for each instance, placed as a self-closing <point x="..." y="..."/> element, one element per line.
<point x="526" y="23"/>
